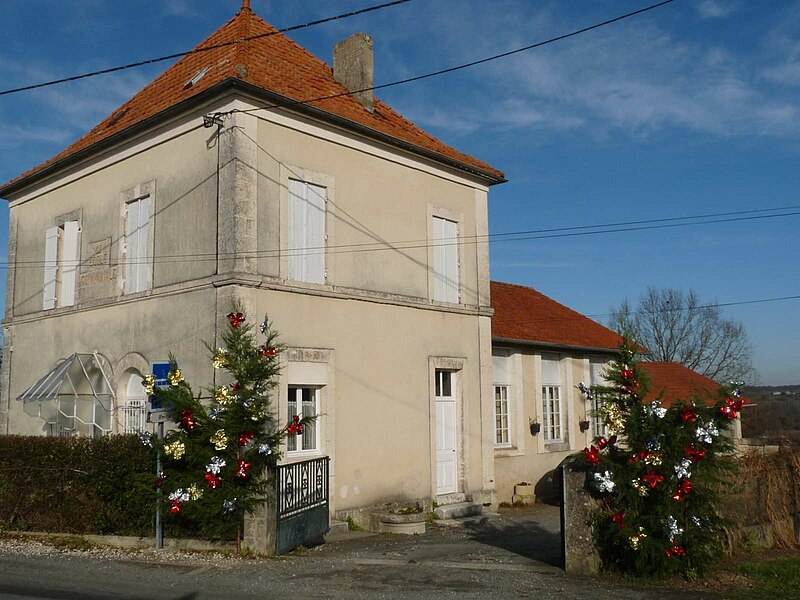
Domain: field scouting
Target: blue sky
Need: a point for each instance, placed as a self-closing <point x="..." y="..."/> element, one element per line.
<point x="692" y="108"/>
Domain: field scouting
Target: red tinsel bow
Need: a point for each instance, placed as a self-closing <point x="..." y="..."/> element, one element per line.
<point x="619" y="519"/>
<point x="241" y="469"/>
<point x="736" y="405"/>
<point x="267" y="351"/>
<point x="675" y="551"/>
<point x="159" y="481"/>
<point x="732" y="407"/>
<point x="235" y="319"/>
<point x="684" y="487"/>
<point x="626" y="373"/>
<point x="296" y="428"/>
<point x="602" y="442"/>
<point x="245" y="437"/>
<point x="652" y="479"/>
<point x="176" y="506"/>
<point x="235" y="387"/>
<point x="213" y="480"/>
<point x="187" y="420"/>
<point x="639" y="456"/>
<point x="694" y="453"/>
<point x="689" y="414"/>
<point x="591" y="455"/>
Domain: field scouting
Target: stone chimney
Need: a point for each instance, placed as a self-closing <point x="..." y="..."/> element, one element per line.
<point x="353" y="67"/>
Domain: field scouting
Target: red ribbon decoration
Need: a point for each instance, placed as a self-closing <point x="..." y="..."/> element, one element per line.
<point x="159" y="481"/>
<point x="235" y="387"/>
<point x="245" y="437"/>
<point x="694" y="453"/>
<point x="619" y="519"/>
<point x="675" y="551"/>
<point x="638" y="457"/>
<point x="268" y="352"/>
<point x="732" y="407"/>
<point x="213" y="480"/>
<point x="689" y="414"/>
<point x="591" y="455"/>
<point x="296" y="428"/>
<point x="652" y="479"/>
<point x="602" y="442"/>
<point x="235" y="319"/>
<point x="684" y="487"/>
<point x="187" y="420"/>
<point x="176" y="506"/>
<point x="241" y="469"/>
<point x="626" y="373"/>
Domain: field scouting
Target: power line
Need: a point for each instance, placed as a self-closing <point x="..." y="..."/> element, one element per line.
<point x="458" y="67"/>
<point x="560" y="232"/>
<point x="158" y="59"/>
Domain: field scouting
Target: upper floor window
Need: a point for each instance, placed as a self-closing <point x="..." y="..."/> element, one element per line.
<point x="445" y="260"/>
<point x="137" y="245"/>
<point x="307" y="236"/>
<point x="61" y="253"/>
<point x="552" y="407"/>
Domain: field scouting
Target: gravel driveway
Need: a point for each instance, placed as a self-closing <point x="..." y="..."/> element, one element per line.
<point x="516" y="556"/>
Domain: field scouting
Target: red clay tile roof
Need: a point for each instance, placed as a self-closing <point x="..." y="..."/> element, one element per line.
<point x="522" y="313"/>
<point x="274" y="63"/>
<point x="678" y="382"/>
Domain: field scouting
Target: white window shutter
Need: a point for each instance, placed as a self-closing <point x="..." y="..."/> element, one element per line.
<point x="131" y="245"/>
<point x="143" y="232"/>
<point x="69" y="263"/>
<point x="50" y="268"/>
<point x="445" y="260"/>
<point x="315" y="234"/>
<point x="297" y="229"/>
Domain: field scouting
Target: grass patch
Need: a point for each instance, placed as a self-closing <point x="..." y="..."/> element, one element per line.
<point x="773" y="579"/>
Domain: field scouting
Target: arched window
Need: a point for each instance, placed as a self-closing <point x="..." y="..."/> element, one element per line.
<point x="134" y="411"/>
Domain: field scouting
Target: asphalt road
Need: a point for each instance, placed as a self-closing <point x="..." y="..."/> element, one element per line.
<point x="515" y="557"/>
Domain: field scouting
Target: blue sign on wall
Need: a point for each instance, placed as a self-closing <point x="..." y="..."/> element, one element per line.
<point x="160" y="369"/>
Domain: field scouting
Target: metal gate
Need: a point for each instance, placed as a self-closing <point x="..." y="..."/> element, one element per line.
<point x="302" y="503"/>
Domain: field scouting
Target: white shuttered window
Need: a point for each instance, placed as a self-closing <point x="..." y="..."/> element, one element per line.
<point x="551" y="399"/>
<point x="445" y="260"/>
<point x="61" y="256"/>
<point x="306" y="231"/>
<point x="137" y="231"/>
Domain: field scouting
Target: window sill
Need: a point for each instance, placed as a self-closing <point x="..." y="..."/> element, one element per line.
<point x="556" y="446"/>
<point x="503" y="451"/>
<point x="300" y="456"/>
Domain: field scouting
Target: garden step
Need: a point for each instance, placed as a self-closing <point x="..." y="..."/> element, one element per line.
<point x="458" y="510"/>
<point x="469" y="521"/>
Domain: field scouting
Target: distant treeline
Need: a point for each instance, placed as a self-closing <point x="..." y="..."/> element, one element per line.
<point x="773" y="417"/>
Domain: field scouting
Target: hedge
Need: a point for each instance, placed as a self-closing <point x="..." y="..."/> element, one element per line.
<point x="76" y="485"/>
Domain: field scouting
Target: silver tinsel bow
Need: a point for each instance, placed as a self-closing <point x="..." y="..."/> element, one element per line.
<point x="229" y="505"/>
<point x="672" y="527"/>
<point x="682" y="469"/>
<point x="586" y="391"/>
<point x="708" y="433"/>
<point x="264" y="449"/>
<point x="655" y="409"/>
<point x="696" y="521"/>
<point x="215" y="466"/>
<point x="180" y="495"/>
<point x="604" y="482"/>
<point x="146" y="438"/>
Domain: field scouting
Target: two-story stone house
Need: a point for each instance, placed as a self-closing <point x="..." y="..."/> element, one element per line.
<point x="248" y="172"/>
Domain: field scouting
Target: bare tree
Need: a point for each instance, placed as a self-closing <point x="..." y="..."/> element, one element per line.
<point x="676" y="327"/>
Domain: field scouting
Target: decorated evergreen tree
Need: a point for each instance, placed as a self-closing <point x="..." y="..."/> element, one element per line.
<point x="657" y="476"/>
<point x="216" y="460"/>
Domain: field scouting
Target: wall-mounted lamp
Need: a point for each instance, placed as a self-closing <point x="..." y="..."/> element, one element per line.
<point x="584" y="425"/>
<point x="536" y="427"/>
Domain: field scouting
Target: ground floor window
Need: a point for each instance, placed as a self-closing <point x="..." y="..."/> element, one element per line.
<point x="501" y="420"/>
<point x="304" y="402"/>
<point x="134" y="410"/>
<point x="551" y="409"/>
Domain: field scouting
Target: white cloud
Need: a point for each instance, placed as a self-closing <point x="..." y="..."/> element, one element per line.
<point x="715" y="9"/>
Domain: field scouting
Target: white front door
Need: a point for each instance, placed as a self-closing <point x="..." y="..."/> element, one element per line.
<point x="446" y="470"/>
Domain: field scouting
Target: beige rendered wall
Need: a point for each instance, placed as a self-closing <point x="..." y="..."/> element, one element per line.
<point x="530" y="458"/>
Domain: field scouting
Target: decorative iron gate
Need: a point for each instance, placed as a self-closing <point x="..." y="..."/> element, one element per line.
<point x="302" y="503"/>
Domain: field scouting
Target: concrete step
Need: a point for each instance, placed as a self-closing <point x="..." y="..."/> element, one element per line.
<point x="337" y="527"/>
<point x="458" y="510"/>
<point x="471" y="521"/>
<point x="453" y="498"/>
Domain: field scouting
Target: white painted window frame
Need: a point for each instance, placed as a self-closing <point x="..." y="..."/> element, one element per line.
<point x="144" y="272"/>
<point x="298" y="438"/>
<point x="502" y="410"/>
<point x="552" y="402"/>
<point x="598" y="425"/>
<point x="62" y="258"/>
<point x="441" y="252"/>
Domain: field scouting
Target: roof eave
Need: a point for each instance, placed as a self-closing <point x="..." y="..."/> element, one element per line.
<point x="555" y="345"/>
<point x="222" y="86"/>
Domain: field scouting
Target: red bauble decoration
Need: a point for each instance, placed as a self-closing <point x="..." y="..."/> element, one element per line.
<point x="187" y="421"/>
<point x="236" y="319"/>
